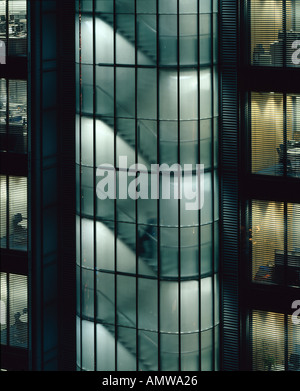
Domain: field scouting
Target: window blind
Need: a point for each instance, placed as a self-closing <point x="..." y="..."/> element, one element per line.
<point x="274" y="30"/>
<point x="275" y="134"/>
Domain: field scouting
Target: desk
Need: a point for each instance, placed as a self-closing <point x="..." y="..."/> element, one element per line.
<point x="293" y="156"/>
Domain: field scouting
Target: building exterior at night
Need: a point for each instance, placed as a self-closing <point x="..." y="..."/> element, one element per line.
<point x="92" y="282"/>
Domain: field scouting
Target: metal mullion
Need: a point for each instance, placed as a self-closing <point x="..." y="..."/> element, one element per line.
<point x="286" y="343"/>
<point x="136" y="201"/>
<point x="115" y="201"/>
<point x="285" y="134"/>
<point x="94" y="186"/>
<point x="8" y="310"/>
<point x="80" y="180"/>
<point x="158" y="199"/>
<point x="199" y="161"/>
<point x="213" y="182"/>
<point x="285" y="217"/>
<point x="179" y="184"/>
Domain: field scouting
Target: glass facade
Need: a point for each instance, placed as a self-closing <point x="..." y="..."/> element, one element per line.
<point x="274" y="30"/>
<point x="147" y="267"/>
<point x="275" y="133"/>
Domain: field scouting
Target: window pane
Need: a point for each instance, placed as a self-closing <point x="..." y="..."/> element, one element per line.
<point x="3" y="211"/>
<point x="18" y="213"/>
<point x="3" y="308"/>
<point x="18" y="310"/>
<point x="17" y="14"/>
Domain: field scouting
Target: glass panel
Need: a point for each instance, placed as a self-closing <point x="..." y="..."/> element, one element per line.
<point x="87" y="44"/>
<point x="87" y="191"/>
<point x="18" y="310"/>
<point x="126" y="247"/>
<point x="169" y="296"/>
<point x="87" y="243"/>
<point x="147" y="304"/>
<point x="126" y="301"/>
<point x="17" y="19"/>
<point x="168" y="51"/>
<point x="169" y="252"/>
<point x="168" y="147"/>
<point x="189" y="142"/>
<point x="188" y="40"/>
<point x="105" y="141"/>
<point x="87" y="89"/>
<point x="266" y="238"/>
<point x="267" y="133"/>
<point x="88" y="342"/>
<point x="189" y="297"/>
<point x="105" y="245"/>
<point x="17" y="128"/>
<point x="105" y="348"/>
<point x="293" y="135"/>
<point x="189" y="250"/>
<point x="293" y="240"/>
<point x="147" y="94"/>
<point x="104" y="38"/>
<point x="205" y="93"/>
<point x="125" y="92"/>
<point x="206" y="303"/>
<point x="4" y="140"/>
<point x="125" y="38"/>
<point x="87" y="142"/>
<point x="3" y="211"/>
<point x="146" y="39"/>
<point x="268" y="341"/>
<point x="18" y="213"/>
<point x="148" y="351"/>
<point x="104" y="6"/>
<point x="190" y="352"/>
<point x="169" y="352"/>
<point x="207" y="350"/>
<point x="126" y="349"/>
<point x="206" y="249"/>
<point x="87" y="293"/>
<point x="3" y="308"/>
<point x="188" y="95"/>
<point x="294" y="343"/>
<point x="105" y="92"/>
<point x="146" y="6"/>
<point x="105" y="297"/>
<point x="147" y="248"/>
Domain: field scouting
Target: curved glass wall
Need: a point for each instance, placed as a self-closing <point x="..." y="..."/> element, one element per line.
<point x="147" y="256"/>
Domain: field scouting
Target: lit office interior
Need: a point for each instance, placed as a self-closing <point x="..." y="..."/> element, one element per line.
<point x="274" y="27"/>
<point x="13" y="208"/>
<point x="275" y="341"/>
<point x="13" y="310"/>
<point x="13" y="24"/>
<point x="275" y="133"/>
<point x="147" y="269"/>
<point x="274" y="242"/>
<point x="13" y="116"/>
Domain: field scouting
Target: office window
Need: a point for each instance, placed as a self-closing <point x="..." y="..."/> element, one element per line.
<point x="13" y="116"/>
<point x="13" y="27"/>
<point x="274" y="30"/>
<point x="275" y="133"/>
<point x="14" y="310"/>
<point x="269" y="333"/>
<point x="274" y="244"/>
<point x="13" y="206"/>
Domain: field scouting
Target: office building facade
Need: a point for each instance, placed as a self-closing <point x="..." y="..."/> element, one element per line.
<point x="133" y="282"/>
